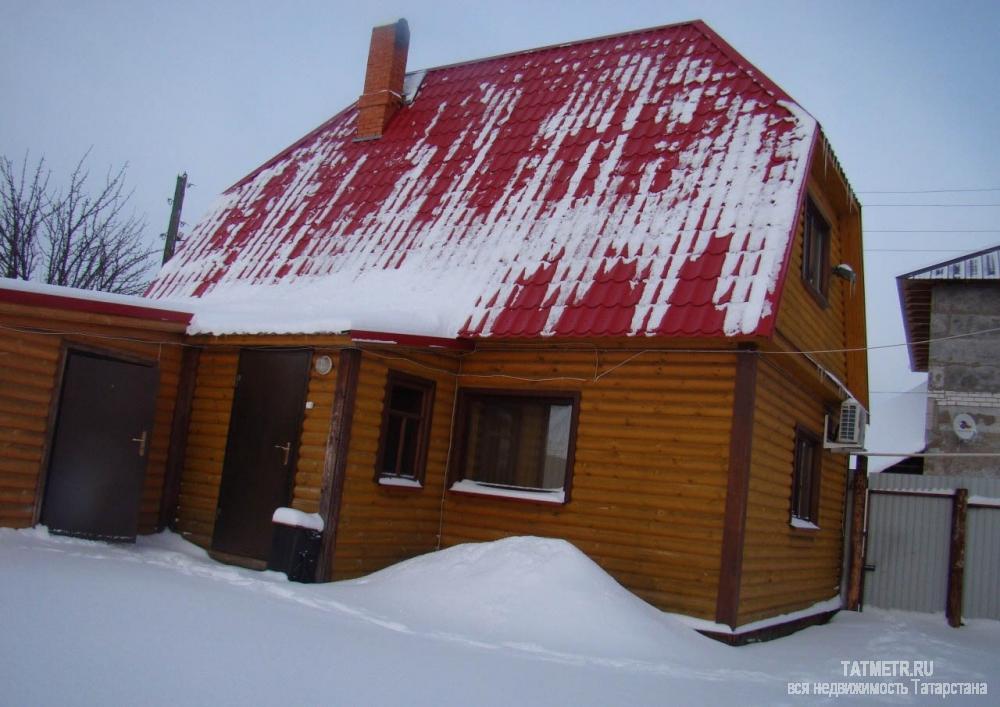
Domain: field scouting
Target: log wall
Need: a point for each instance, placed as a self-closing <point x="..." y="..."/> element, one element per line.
<point x="828" y="180"/>
<point x="32" y="344"/>
<point x="650" y="477"/>
<point x="786" y="568"/>
<point x="802" y="319"/>
<point x="209" y="430"/>
<point x="315" y="428"/>
<point x="381" y="525"/>
<point x="206" y="444"/>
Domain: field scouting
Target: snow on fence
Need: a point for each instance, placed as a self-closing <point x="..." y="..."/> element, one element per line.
<point x="934" y="545"/>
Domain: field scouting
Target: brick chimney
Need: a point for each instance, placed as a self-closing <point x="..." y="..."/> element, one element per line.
<point x="383" y="94"/>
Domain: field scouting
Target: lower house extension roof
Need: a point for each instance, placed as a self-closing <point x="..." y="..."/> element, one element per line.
<point x="644" y="184"/>
<point x="57" y="297"/>
<point x="915" y="295"/>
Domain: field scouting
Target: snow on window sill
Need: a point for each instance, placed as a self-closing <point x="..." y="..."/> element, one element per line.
<point x="555" y="496"/>
<point x="399" y="482"/>
<point x="802" y="524"/>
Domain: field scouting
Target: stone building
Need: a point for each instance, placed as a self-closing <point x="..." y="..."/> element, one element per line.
<point x="951" y="312"/>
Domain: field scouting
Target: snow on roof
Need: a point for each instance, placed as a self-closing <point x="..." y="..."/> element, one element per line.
<point x="897" y="425"/>
<point x="644" y="184"/>
<point x="59" y="297"/>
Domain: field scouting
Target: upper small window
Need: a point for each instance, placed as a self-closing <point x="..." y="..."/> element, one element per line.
<point x="806" y="479"/>
<point x="406" y="417"/>
<point x="816" y="251"/>
<point x="516" y="444"/>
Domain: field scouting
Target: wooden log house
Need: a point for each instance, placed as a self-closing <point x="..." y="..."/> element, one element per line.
<point x="584" y="291"/>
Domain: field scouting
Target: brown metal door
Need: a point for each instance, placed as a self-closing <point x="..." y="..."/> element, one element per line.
<point x="100" y="447"/>
<point x="261" y="449"/>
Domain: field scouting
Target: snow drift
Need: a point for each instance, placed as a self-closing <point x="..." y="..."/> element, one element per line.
<point x="536" y="594"/>
<point x="523" y="621"/>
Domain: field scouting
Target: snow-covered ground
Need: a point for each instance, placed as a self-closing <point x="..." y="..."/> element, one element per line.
<point x="523" y="621"/>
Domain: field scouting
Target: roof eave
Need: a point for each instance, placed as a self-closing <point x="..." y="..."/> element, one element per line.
<point x="946" y="263"/>
<point x="769" y="328"/>
<point x="68" y="302"/>
<point x="914" y="302"/>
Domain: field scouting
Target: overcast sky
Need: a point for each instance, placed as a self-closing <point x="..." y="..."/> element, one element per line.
<point x="906" y="92"/>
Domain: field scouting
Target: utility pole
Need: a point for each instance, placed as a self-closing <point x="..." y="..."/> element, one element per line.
<point x="175" y="217"/>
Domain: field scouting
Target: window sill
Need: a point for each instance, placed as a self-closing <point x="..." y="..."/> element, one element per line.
<point x="474" y="488"/>
<point x="800" y="524"/>
<point x="399" y="482"/>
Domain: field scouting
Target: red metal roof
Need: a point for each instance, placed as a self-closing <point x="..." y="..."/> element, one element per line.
<point x="644" y="184"/>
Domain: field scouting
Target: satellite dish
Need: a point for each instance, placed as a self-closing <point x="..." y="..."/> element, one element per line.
<point x="964" y="426"/>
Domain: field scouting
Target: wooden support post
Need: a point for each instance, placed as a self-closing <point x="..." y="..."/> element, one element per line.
<point x="178" y="439"/>
<point x="727" y="605"/>
<point x="335" y="462"/>
<point x="956" y="557"/>
<point x="859" y="506"/>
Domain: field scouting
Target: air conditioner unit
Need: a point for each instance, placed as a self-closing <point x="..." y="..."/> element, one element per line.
<point x="852" y="423"/>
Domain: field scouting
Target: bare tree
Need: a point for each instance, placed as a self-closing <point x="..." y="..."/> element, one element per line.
<point x="85" y="239"/>
<point x="23" y="209"/>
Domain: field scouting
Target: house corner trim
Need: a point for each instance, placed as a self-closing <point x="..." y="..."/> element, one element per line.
<point x="335" y="461"/>
<point x="177" y="451"/>
<point x="738" y="486"/>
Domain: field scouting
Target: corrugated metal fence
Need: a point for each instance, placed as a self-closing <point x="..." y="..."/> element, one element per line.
<point x="909" y="543"/>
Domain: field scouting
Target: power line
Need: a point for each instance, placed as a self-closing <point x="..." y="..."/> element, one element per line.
<point x="931" y="230"/>
<point x="544" y="346"/>
<point x="915" y="250"/>
<point x="929" y="191"/>
<point x="943" y="206"/>
<point x="898" y="392"/>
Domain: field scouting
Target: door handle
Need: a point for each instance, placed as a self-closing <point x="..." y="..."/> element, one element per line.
<point x="286" y="448"/>
<point x="142" y="443"/>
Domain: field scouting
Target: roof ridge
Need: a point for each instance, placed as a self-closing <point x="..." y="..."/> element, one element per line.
<point x="758" y="76"/>
<point x="560" y="45"/>
<point x="755" y="74"/>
